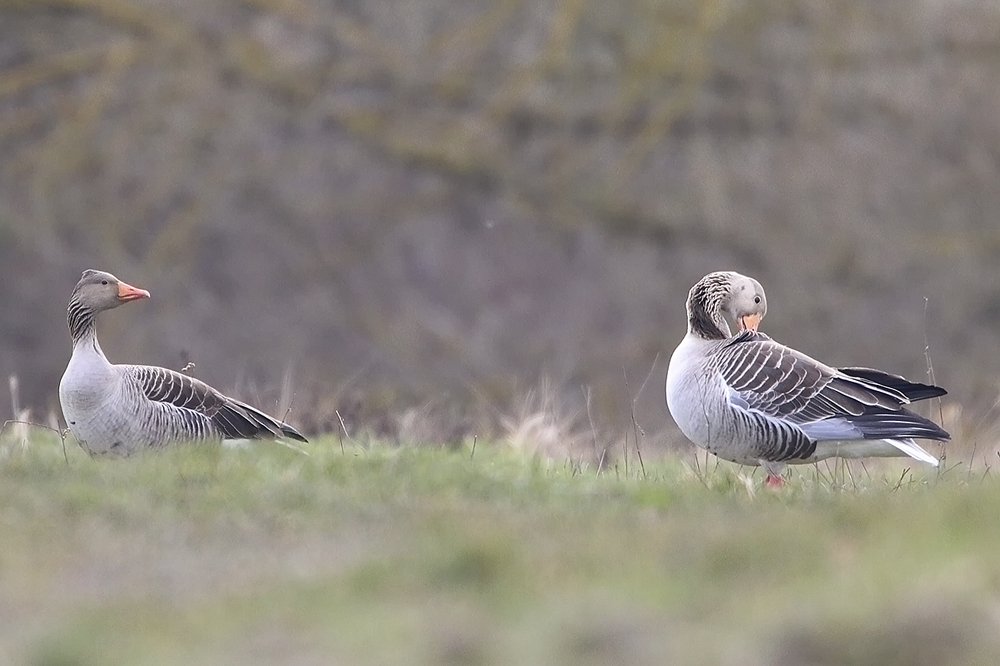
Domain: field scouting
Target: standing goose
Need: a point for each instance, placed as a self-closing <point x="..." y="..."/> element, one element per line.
<point x="120" y="409"/>
<point x="753" y="401"/>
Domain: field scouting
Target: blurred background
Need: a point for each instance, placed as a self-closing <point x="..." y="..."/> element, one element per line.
<point x="370" y="207"/>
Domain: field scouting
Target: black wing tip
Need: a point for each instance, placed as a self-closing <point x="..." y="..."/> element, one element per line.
<point x="291" y="433"/>
<point x="238" y="420"/>
<point x="940" y="434"/>
<point x="899" y="424"/>
<point x="934" y="432"/>
<point x="930" y="392"/>
<point x="912" y="390"/>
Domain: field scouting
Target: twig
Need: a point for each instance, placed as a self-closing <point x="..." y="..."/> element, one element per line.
<point x="473" y="454"/>
<point x="344" y="427"/>
<point x="697" y="467"/>
<point x="930" y="376"/>
<point x="821" y="475"/>
<point x="972" y="460"/>
<point x="635" y="425"/>
<point x="287" y="393"/>
<point x="831" y="472"/>
<point x="625" y="452"/>
<point x="947" y="470"/>
<point x="850" y="473"/>
<point x="62" y="433"/>
<point x="648" y="375"/>
<point x="899" y="483"/>
<point x="590" y="419"/>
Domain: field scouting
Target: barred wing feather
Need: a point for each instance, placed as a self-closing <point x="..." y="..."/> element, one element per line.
<point x="232" y="418"/>
<point x="774" y="381"/>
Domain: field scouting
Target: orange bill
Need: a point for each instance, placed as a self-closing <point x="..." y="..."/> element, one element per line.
<point x="750" y="322"/>
<point x="127" y="292"/>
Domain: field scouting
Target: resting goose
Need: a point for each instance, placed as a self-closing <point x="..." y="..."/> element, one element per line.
<point x="121" y="409"/>
<point x="753" y="401"/>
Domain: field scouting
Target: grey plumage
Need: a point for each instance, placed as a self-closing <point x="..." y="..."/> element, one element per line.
<point x="751" y="400"/>
<point x="121" y="409"/>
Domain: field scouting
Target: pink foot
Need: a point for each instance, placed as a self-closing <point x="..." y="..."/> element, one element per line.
<point x="774" y="481"/>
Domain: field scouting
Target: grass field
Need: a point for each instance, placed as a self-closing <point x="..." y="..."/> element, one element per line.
<point x="418" y="555"/>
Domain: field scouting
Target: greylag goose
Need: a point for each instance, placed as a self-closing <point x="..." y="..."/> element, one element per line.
<point x="121" y="409"/>
<point x="753" y="401"/>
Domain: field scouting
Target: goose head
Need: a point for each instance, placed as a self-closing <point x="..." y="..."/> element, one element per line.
<point x="95" y="292"/>
<point x="725" y="293"/>
<point x="100" y="291"/>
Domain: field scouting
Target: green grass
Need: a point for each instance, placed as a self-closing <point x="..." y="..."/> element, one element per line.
<point x="413" y="555"/>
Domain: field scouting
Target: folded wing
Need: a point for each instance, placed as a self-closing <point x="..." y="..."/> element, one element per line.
<point x="232" y="418"/>
<point x="773" y="383"/>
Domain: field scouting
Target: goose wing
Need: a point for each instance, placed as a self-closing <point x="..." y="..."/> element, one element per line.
<point x="766" y="379"/>
<point x="233" y="419"/>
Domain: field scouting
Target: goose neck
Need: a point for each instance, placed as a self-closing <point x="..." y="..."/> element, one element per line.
<point x="81" y="321"/>
<point x="705" y="315"/>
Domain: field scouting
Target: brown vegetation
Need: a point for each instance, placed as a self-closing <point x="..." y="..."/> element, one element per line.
<point x="426" y="202"/>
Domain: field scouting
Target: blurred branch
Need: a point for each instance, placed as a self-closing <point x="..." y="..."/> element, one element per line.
<point x="17" y="79"/>
<point x="681" y="53"/>
<point x="65" y="148"/>
<point x="131" y="15"/>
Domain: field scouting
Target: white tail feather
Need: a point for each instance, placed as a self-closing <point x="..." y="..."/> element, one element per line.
<point x="912" y="449"/>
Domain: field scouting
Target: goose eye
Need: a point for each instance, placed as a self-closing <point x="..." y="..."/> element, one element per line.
<point x="756" y="299"/>
<point x="104" y="281"/>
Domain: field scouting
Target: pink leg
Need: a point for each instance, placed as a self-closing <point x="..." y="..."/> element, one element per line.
<point x="774" y="470"/>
